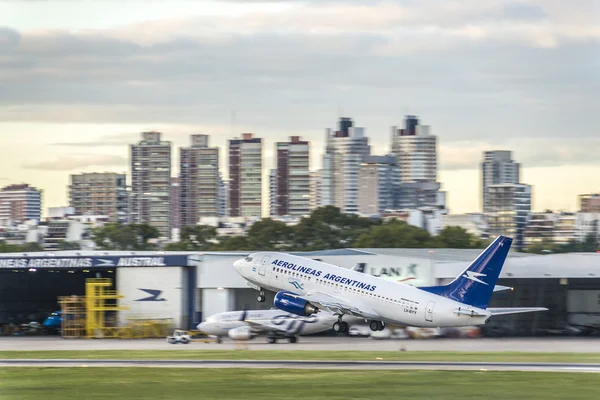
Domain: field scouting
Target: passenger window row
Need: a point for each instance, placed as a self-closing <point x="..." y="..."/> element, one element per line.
<point x="403" y="302"/>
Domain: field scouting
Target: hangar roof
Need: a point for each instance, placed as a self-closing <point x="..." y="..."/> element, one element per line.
<point x="438" y="254"/>
<point x="566" y="265"/>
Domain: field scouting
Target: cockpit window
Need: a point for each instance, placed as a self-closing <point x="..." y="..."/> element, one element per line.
<point x="248" y="259"/>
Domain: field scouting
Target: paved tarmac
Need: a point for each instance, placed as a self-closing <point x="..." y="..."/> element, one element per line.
<point x="553" y="345"/>
<point x="289" y="364"/>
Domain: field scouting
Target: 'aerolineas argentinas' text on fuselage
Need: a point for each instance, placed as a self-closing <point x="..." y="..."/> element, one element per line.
<point x="318" y="273"/>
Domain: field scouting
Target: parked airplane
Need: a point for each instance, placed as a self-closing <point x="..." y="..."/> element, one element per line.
<point x="245" y="325"/>
<point x="305" y="287"/>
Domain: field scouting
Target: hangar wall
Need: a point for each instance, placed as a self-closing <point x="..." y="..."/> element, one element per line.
<point x="217" y="271"/>
<point x="216" y="301"/>
<point x="412" y="270"/>
<point x="151" y="292"/>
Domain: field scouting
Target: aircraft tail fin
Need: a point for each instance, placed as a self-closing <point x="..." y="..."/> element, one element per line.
<point x="475" y="285"/>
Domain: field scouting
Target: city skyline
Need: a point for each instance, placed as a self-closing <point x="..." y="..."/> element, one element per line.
<point x="79" y="86"/>
<point x="471" y="203"/>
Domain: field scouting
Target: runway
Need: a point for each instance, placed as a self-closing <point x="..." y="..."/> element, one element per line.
<point x="289" y="364"/>
<point x="539" y="344"/>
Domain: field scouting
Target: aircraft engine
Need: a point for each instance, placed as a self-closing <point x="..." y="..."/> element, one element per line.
<point x="241" y="333"/>
<point x="294" y="306"/>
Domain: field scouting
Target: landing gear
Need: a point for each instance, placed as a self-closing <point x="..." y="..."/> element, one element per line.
<point x="261" y="296"/>
<point x="376" y="326"/>
<point x="293" y="339"/>
<point x="340" y="326"/>
<point x="271" y="339"/>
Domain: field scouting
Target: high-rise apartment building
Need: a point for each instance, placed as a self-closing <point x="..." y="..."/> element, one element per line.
<point x="223" y="196"/>
<point x="549" y="227"/>
<point x="100" y="194"/>
<point x="379" y="178"/>
<point x="509" y="206"/>
<point x="273" y="192"/>
<point x="589" y="203"/>
<point x="245" y="176"/>
<point x="344" y="152"/>
<point x="497" y="168"/>
<point x="199" y="180"/>
<point x="175" y="203"/>
<point x="315" y="190"/>
<point x="416" y="150"/>
<point x="20" y="203"/>
<point x="151" y="182"/>
<point x="292" y="178"/>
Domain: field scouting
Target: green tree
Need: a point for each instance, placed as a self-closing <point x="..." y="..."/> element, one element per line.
<point x="456" y="237"/>
<point x="195" y="238"/>
<point x="232" y="243"/>
<point x="311" y="234"/>
<point x="328" y="228"/>
<point x="394" y="233"/>
<point x="545" y="246"/>
<point x="31" y="247"/>
<point x="64" y="245"/>
<point x="114" y="236"/>
<point x="590" y="243"/>
<point x="27" y="247"/>
<point x="268" y="234"/>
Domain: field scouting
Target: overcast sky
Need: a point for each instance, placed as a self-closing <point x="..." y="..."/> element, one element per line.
<point x="80" y="79"/>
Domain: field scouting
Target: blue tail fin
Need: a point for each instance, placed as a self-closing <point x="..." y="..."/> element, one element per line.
<point x="475" y="285"/>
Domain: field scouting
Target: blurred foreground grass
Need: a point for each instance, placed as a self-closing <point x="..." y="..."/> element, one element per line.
<point x="182" y="384"/>
<point x="193" y="354"/>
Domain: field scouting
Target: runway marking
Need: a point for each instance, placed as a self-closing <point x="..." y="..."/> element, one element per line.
<point x="289" y="364"/>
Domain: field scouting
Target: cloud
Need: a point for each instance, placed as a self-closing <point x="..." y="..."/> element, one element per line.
<point x="73" y="162"/>
<point x="471" y="69"/>
<point x="116" y="140"/>
<point x="468" y="155"/>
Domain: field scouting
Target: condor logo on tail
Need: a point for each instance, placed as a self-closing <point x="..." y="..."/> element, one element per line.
<point x="474" y="276"/>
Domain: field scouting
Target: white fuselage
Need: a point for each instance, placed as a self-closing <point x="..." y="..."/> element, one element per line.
<point x="221" y="324"/>
<point x="393" y="302"/>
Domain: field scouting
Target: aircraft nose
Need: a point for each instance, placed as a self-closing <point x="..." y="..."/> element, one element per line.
<point x="238" y="264"/>
<point x="201" y="326"/>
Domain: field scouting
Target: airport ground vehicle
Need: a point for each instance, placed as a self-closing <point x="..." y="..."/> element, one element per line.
<point x="180" y="336"/>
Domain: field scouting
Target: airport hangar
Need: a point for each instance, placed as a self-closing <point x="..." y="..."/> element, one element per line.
<point x="189" y="286"/>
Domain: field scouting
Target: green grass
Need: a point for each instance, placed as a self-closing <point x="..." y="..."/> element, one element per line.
<point x="264" y="384"/>
<point x="193" y="354"/>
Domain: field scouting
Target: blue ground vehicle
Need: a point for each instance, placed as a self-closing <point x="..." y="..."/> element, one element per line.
<point x="54" y="322"/>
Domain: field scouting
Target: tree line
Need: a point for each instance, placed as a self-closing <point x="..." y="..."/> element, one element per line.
<point x="325" y="228"/>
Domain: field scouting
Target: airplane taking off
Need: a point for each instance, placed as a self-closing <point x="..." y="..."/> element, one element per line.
<point x="305" y="287"/>
<point x="245" y="325"/>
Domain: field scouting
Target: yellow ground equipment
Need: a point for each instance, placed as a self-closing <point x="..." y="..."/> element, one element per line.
<point x="73" y="316"/>
<point x="147" y="327"/>
<point x="101" y="309"/>
<point x="95" y="315"/>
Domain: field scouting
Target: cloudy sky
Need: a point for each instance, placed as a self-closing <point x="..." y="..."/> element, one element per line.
<point x="80" y="79"/>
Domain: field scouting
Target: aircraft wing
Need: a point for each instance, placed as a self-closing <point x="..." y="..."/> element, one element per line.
<point x="335" y="305"/>
<point x="514" y="310"/>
